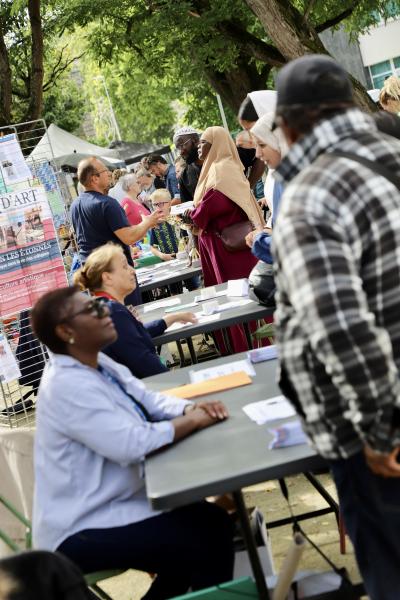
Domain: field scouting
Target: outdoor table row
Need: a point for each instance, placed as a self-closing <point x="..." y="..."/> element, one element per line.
<point x="242" y="311"/>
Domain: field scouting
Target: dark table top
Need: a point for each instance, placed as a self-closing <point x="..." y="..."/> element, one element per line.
<point x="227" y="456"/>
<point x="241" y="314"/>
<point x="164" y="274"/>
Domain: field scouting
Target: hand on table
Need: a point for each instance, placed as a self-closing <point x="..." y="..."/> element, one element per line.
<point x="208" y="412"/>
<point x="185" y="317"/>
<point x="384" y="465"/>
<point x="164" y="256"/>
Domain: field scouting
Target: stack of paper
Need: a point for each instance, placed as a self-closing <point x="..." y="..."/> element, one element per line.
<point x="269" y="410"/>
<point x="225" y="369"/>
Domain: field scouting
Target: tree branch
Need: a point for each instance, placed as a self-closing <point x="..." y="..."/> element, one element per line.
<point x="338" y="19"/>
<point x="252" y="45"/>
<point x="57" y="70"/>
<point x="308" y="8"/>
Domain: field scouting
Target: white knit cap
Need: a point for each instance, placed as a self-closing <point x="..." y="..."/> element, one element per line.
<point x="184" y="131"/>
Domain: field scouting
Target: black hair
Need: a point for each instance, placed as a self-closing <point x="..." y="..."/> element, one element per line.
<point x="48" y="312"/>
<point x="44" y="575"/>
<point x="247" y="112"/>
<point x="153" y="159"/>
<point x="388" y="123"/>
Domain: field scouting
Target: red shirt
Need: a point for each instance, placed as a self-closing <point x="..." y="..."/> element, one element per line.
<point x="134" y="211"/>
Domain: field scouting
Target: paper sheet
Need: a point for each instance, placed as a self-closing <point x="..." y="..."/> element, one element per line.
<point x="269" y="410"/>
<point x="226" y="369"/>
<point x="216" y="295"/>
<point x="219" y="384"/>
<point x="261" y="354"/>
<point x="200" y="319"/>
<point x="182" y="306"/>
<point x="161" y="304"/>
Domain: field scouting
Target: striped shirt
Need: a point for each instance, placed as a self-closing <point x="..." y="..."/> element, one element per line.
<point x="336" y="246"/>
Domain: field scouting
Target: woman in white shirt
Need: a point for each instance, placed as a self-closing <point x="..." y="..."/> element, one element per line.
<point x="95" y="425"/>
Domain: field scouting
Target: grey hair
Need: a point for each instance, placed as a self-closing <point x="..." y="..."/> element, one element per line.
<point x="127" y="181"/>
<point x="141" y="172"/>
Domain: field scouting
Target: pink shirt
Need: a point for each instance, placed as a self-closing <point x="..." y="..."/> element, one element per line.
<point x="134" y="211"/>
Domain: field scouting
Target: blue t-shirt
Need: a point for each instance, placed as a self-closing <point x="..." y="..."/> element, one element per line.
<point x="171" y="182"/>
<point x="164" y="237"/>
<point x="95" y="217"/>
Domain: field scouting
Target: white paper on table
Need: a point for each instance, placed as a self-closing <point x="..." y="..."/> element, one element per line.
<point x="162" y="304"/>
<point x="238" y="287"/>
<point x="269" y="410"/>
<point x="226" y="369"/>
<point x="167" y="274"/>
<point x="9" y="369"/>
<point x="200" y="319"/>
<point x="219" y="293"/>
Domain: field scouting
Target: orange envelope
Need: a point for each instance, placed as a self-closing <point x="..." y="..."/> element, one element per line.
<point x="218" y="384"/>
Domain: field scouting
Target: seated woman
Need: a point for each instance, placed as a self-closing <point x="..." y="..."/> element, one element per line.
<point x="95" y="425"/>
<point x="106" y="273"/>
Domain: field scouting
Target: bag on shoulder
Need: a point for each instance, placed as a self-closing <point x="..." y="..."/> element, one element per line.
<point x="233" y="236"/>
<point x="262" y="284"/>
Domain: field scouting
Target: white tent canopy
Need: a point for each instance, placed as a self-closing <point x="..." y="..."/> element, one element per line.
<point x="57" y="142"/>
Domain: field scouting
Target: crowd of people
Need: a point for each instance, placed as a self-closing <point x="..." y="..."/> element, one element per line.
<point x="332" y="233"/>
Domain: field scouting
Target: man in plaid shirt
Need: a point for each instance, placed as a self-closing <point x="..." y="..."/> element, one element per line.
<point x="336" y="246"/>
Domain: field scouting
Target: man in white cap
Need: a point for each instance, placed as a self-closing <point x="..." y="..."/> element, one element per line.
<point x="337" y="269"/>
<point x="186" y="140"/>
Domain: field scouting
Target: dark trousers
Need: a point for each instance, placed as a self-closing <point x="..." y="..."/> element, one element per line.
<point x="187" y="547"/>
<point x="371" y="511"/>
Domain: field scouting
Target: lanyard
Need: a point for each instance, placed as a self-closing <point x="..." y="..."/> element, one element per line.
<point x="140" y="409"/>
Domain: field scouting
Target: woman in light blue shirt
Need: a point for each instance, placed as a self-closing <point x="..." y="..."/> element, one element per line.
<point x="95" y="425"/>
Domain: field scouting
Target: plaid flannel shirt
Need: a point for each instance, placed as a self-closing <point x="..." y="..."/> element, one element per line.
<point x="336" y="247"/>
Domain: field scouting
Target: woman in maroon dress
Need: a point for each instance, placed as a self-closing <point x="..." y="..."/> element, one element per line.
<point x="222" y="198"/>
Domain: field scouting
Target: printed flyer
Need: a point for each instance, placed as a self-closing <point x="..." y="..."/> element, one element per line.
<point x="30" y="258"/>
<point x="9" y="370"/>
<point x="12" y="163"/>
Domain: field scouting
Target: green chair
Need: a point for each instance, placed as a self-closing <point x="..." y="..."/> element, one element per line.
<point x="92" y="579"/>
<point x="239" y="588"/>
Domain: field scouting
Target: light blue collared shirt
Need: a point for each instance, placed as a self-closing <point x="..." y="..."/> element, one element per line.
<point x="90" y="445"/>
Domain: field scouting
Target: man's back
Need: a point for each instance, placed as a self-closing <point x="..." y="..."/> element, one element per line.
<point x="95" y="218"/>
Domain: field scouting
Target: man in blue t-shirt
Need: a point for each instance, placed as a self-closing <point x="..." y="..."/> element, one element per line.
<point x="158" y="166"/>
<point x="98" y="218"/>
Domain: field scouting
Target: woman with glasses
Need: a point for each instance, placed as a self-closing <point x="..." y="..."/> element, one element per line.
<point x="107" y="274"/>
<point x="95" y="425"/>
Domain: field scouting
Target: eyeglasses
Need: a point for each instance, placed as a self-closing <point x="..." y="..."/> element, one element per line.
<point x="179" y="145"/>
<point x="100" y="172"/>
<point x="155" y="205"/>
<point x="98" y="307"/>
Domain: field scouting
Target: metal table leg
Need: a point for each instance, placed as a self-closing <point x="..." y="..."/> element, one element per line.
<point x="251" y="546"/>
<point x="227" y="342"/>
<point x="247" y="333"/>
<point x="192" y="351"/>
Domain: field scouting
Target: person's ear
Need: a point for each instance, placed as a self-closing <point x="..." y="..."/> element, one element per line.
<point x="65" y="332"/>
<point x="106" y="277"/>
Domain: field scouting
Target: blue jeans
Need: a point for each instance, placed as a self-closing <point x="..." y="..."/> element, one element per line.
<point x="371" y="510"/>
<point x="188" y="547"/>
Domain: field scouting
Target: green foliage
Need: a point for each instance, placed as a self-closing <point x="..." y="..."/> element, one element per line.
<point x="64" y="105"/>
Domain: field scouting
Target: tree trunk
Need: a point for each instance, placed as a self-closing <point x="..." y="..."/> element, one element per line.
<point x="5" y="82"/>
<point x="37" y="72"/>
<point x="234" y="85"/>
<point x="294" y="36"/>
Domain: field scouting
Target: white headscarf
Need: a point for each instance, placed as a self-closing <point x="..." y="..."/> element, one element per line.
<point x="262" y="129"/>
<point x="263" y="101"/>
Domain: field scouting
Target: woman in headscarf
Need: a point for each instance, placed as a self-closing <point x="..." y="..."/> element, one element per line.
<point x="223" y="198"/>
<point x="255" y="105"/>
<point x="271" y="147"/>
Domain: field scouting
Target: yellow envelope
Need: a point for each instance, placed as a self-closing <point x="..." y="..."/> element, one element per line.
<point x="218" y="384"/>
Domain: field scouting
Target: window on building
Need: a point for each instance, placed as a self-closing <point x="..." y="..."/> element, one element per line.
<point x="381" y="71"/>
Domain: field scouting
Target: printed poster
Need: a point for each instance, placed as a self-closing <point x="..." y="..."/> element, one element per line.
<point x="12" y="163"/>
<point x="9" y="370"/>
<point x="30" y="258"/>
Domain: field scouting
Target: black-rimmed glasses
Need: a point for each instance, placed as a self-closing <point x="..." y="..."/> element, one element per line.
<point x="180" y="145"/>
<point x="98" y="307"/>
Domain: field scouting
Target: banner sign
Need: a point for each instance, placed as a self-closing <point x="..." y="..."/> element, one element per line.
<point x="30" y="258"/>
